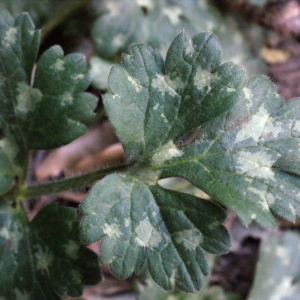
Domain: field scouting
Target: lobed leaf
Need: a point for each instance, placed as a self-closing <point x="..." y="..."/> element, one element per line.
<point x="245" y="155"/>
<point x="43" y="115"/>
<point x="43" y="262"/>
<point x="157" y="23"/>
<point x="167" y="228"/>
<point x="153" y="104"/>
<point x="122" y="23"/>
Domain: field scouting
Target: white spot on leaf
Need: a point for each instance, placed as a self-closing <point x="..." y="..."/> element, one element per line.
<point x="164" y="118"/>
<point x="21" y="295"/>
<point x="147" y="235"/>
<point x="160" y="84"/>
<point x="77" y="76"/>
<point x="270" y="198"/>
<point x="127" y="222"/>
<point x="43" y="258"/>
<point x="166" y="152"/>
<point x="112" y="230"/>
<point x="263" y="173"/>
<point x="135" y="83"/>
<point x="191" y="238"/>
<point x="4" y="233"/>
<point x="173" y="13"/>
<point x="27" y="99"/>
<point x="248" y="161"/>
<point x="189" y="49"/>
<point x="296" y="127"/>
<point x="66" y="99"/>
<point x="10" y="37"/>
<point x="230" y="90"/>
<point x="148" y="176"/>
<point x="273" y="129"/>
<point x="203" y="78"/>
<point x="119" y="40"/>
<point x="248" y="96"/>
<point x="145" y="3"/>
<point x="262" y="196"/>
<point x="156" y="106"/>
<point x="59" y="65"/>
<point x="72" y="249"/>
<point x="253" y="127"/>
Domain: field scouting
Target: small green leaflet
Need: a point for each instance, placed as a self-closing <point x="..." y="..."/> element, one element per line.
<point x="42" y="262"/>
<point x="40" y="113"/>
<point x="245" y="155"/>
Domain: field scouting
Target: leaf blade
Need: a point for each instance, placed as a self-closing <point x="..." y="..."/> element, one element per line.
<point x="148" y="231"/>
<point x="32" y="254"/>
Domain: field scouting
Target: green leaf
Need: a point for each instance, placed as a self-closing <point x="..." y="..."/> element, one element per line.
<point x="49" y="113"/>
<point x="122" y="23"/>
<point x="44" y="258"/>
<point x="208" y="292"/>
<point x="277" y="274"/>
<point x="245" y="155"/>
<point x="247" y="145"/>
<point x="153" y="104"/>
<point x="61" y="80"/>
<point x="167" y="228"/>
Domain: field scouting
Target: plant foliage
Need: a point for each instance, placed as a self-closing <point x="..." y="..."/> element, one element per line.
<point x="43" y="262"/>
<point x="189" y="116"/>
<point x="278" y="253"/>
<point x="244" y="155"/>
<point x="121" y="23"/>
<point x="42" y="111"/>
<point x="43" y="258"/>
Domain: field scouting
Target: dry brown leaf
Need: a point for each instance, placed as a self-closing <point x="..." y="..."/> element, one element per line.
<point x="274" y="56"/>
<point x="63" y="159"/>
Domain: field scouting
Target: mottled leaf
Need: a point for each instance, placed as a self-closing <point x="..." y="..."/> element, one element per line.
<point x="277" y="273"/>
<point x="61" y="80"/>
<point x="43" y="259"/>
<point x="245" y="158"/>
<point x="152" y="104"/>
<point x="245" y="155"/>
<point x="49" y="113"/>
<point x="168" y="229"/>
<point x="154" y="22"/>
<point x="157" y="23"/>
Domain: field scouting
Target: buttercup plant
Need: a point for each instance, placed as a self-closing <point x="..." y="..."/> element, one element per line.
<point x="245" y="155"/>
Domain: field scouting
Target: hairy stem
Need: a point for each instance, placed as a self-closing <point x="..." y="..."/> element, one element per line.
<point x="23" y="192"/>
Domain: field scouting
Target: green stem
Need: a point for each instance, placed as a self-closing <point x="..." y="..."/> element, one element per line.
<point x="23" y="192"/>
